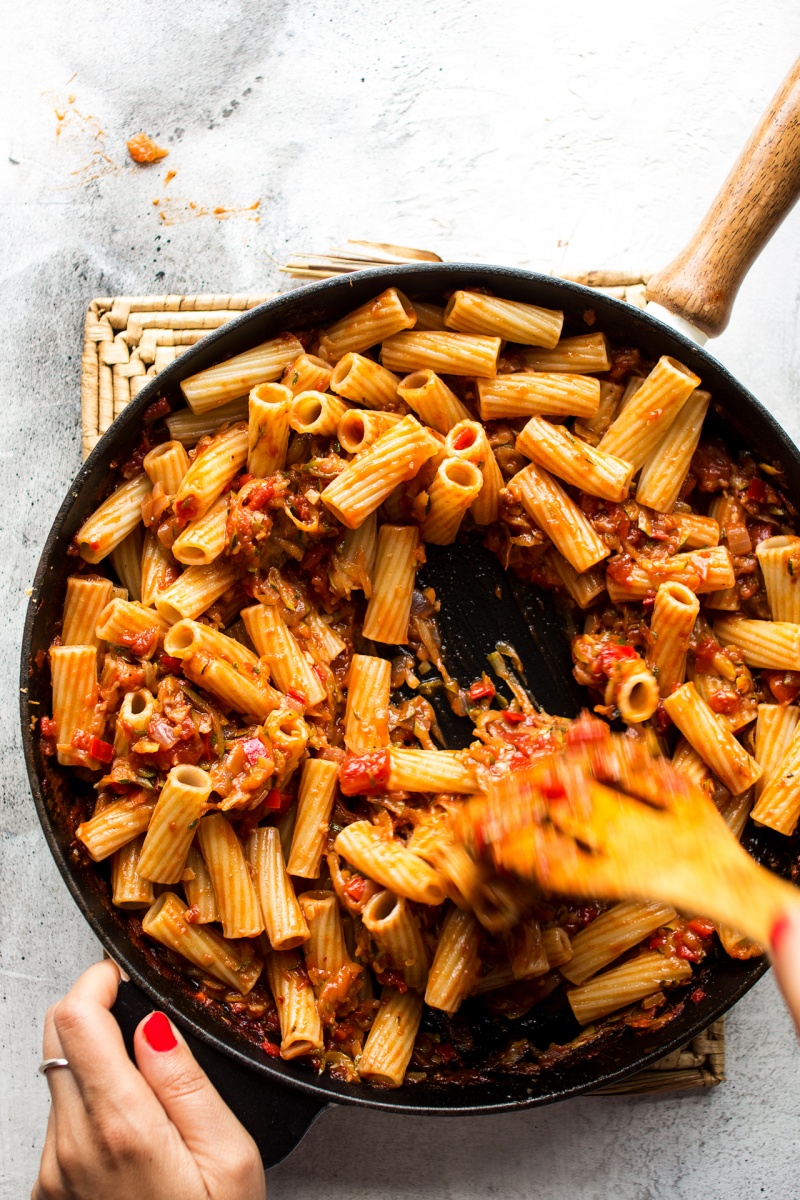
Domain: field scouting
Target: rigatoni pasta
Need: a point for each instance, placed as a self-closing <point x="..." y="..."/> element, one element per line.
<point x="432" y="400"/>
<point x="475" y="312"/>
<point x="217" y="385"/>
<point x="219" y="679"/>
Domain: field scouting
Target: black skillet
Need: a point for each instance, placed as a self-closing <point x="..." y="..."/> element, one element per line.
<point x="278" y="1101"/>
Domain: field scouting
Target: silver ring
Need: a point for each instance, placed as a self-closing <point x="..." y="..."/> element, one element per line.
<point x="47" y="1064"/>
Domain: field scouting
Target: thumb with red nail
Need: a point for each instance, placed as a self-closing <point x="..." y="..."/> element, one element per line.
<point x="157" y="1129"/>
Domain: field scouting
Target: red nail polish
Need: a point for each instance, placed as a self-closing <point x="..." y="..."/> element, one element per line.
<point x="158" y="1032"/>
<point x="779" y="932"/>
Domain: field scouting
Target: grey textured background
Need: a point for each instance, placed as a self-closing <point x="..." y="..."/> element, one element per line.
<point x="557" y="137"/>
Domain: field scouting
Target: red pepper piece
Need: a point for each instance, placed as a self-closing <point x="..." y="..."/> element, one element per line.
<point x="254" y="749"/>
<point x="278" y="801"/>
<point x="362" y="774"/>
<point x="102" y="751"/>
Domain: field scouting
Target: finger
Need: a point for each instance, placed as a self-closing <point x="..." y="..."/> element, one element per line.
<point x="64" y="1091"/>
<point x="49" y="1184"/>
<point x="187" y="1095"/>
<point x="785" y="940"/>
<point x="92" y="1043"/>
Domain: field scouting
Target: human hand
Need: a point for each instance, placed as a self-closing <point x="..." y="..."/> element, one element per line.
<point x="161" y="1131"/>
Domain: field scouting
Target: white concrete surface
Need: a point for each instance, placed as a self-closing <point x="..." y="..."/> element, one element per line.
<point x="560" y="137"/>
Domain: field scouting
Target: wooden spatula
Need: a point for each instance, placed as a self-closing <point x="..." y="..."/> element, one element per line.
<point x="605" y="819"/>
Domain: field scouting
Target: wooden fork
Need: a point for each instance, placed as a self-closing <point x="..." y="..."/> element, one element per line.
<point x="605" y="819"/>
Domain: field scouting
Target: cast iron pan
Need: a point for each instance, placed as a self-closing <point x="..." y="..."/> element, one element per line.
<point x="277" y="1100"/>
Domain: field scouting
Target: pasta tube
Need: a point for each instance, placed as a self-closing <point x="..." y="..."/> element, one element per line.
<point x="167" y="464"/>
<point x="283" y="919"/>
<point x="702" y="571"/>
<point x="239" y="690"/>
<point x="624" y="985"/>
<point x="468" y="440"/>
<point x="268" y="413"/>
<point x="330" y="968"/>
<point x="199" y="888"/>
<point x="367" y="714"/>
<point x="774" y="645"/>
<point x="239" y="375"/>
<point x="389" y="607"/>
<point x="128" y="889"/>
<point x="275" y="642"/>
<point x="643" y="422"/>
<point x="126" y="559"/>
<point x="611" y="934"/>
<point x="674" y="614"/>
<point x="363" y="381"/>
<point x="444" y="353"/>
<point x="528" y="394"/>
<point x="528" y="955"/>
<point x="775" y="728"/>
<point x="115" y="826"/>
<point x="358" y="428"/>
<point x="307" y="374"/>
<point x="395" y="929"/>
<point x="188" y="428"/>
<point x="575" y="462"/>
<point x="430" y="771"/>
<point x="314" y="806"/>
<point x="181" y="804"/>
<point x="211" y="472"/>
<point x="113" y="520"/>
<point x="456" y="963"/>
<point x="316" y="413"/>
<point x="432" y="400"/>
<point x="586" y="354"/>
<point x="75" y="698"/>
<point x="429" y="316"/>
<point x="186" y="638"/>
<point x="583" y="588"/>
<point x="474" y="312"/>
<point x="366" y="482"/>
<point x="301" y="1028"/>
<point x="140" y="629"/>
<point x="166" y="922"/>
<point x="666" y="468"/>
<point x="778" y="806"/>
<point x="87" y="596"/>
<point x="203" y="540"/>
<point x="558" y="516"/>
<point x="557" y="946"/>
<point x="712" y="740"/>
<point x="194" y="591"/>
<point x="390" y="1041"/>
<point x="236" y="898"/>
<point x="779" y="559"/>
<point x="455" y="487"/>
<point x="373" y="322"/>
<point x="689" y="763"/>
<point x="389" y="863"/>
<point x="158" y="568"/>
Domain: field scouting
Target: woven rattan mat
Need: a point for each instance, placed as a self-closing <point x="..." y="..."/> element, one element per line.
<point x="129" y="339"/>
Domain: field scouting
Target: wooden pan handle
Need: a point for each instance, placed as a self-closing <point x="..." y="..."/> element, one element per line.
<point x="700" y="285"/>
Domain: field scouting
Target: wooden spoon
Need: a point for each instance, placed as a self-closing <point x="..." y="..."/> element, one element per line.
<point x="606" y="820"/>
